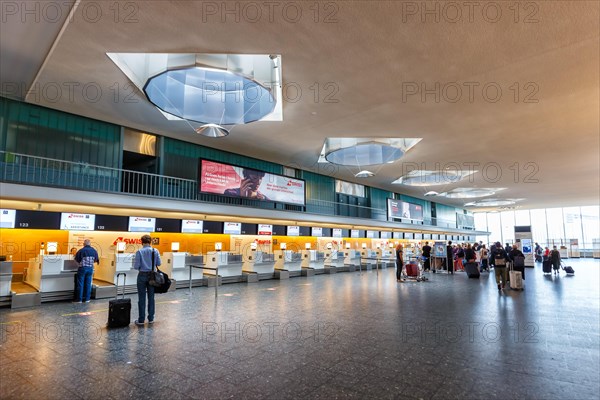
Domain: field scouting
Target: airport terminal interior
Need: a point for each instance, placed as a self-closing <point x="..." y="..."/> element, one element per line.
<point x="348" y="199"/>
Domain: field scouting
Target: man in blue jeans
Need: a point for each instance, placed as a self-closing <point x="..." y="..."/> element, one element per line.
<point x="145" y="259"/>
<point x="86" y="257"/>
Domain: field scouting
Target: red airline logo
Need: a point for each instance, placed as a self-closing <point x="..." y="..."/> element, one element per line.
<point x="126" y="240"/>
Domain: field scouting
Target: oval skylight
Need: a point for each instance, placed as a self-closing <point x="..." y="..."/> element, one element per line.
<point x="362" y="154"/>
<point x="491" y="203"/>
<point x="208" y="95"/>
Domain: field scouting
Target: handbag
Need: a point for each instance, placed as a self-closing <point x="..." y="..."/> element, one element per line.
<point x="157" y="278"/>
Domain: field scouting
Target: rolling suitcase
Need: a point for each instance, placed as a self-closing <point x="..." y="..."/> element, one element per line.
<point x="515" y="279"/>
<point x="472" y="270"/>
<point x="119" y="310"/>
<point x="547" y="266"/>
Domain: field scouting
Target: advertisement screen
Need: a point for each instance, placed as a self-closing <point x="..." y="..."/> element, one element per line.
<point x="141" y="224"/>
<point x="318" y="232"/>
<point x="192" y="226"/>
<point x="77" y="222"/>
<point x="527" y="247"/>
<point x="232" y="181"/>
<point x="293" y="231"/>
<point x="402" y="209"/>
<point x="337" y="232"/>
<point x="7" y="218"/>
<point x="264" y="229"/>
<point x="232" y="228"/>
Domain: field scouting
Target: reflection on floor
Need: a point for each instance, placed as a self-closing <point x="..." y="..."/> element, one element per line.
<point x="348" y="335"/>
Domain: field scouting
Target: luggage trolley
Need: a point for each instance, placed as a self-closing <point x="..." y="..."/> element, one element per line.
<point x="413" y="270"/>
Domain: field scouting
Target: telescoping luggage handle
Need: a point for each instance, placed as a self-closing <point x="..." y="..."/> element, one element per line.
<point x="124" y="282"/>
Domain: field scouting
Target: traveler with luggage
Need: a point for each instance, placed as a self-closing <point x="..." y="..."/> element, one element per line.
<point x="86" y="257"/>
<point x="399" y="262"/>
<point x="519" y="265"/>
<point x="538" y="252"/>
<point x="145" y="260"/>
<point x="555" y="259"/>
<point x="500" y="259"/>
<point x="484" y="258"/>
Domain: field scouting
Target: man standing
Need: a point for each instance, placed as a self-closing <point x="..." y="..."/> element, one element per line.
<point x="555" y="258"/>
<point x="500" y="258"/>
<point x="145" y="260"/>
<point x="427" y="255"/>
<point x="86" y="257"/>
<point x="449" y="258"/>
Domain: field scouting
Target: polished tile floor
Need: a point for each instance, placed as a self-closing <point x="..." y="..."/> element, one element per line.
<point x="348" y="335"/>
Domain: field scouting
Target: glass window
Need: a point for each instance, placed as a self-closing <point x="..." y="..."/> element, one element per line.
<point x="556" y="229"/>
<point x="538" y="227"/>
<point x="590" y="221"/>
<point x="508" y="226"/>
<point x="481" y="225"/>
<point x="522" y="218"/>
<point x="494" y="227"/>
<point x="572" y="222"/>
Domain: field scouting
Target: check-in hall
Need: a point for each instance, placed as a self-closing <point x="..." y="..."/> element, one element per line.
<point x="292" y="199"/>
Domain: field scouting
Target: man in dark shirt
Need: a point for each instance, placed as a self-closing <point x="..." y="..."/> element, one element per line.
<point x="500" y="258"/>
<point x="515" y="252"/>
<point x="426" y="251"/>
<point x="449" y="258"/>
<point x="86" y="257"/>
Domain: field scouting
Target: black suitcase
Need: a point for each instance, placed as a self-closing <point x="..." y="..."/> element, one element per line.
<point x="119" y="310"/>
<point x="472" y="270"/>
<point x="547" y="266"/>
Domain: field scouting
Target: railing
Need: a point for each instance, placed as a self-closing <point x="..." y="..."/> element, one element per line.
<point x="22" y="168"/>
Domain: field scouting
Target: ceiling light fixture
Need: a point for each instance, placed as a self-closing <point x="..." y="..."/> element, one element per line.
<point x="364" y="174"/>
<point x="469" y="193"/>
<point x="212" y="130"/>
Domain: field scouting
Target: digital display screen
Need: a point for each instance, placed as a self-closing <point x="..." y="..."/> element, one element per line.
<point x="264" y="229"/>
<point x="233" y="181"/>
<point x="77" y="222"/>
<point x="113" y="223"/>
<point x="317" y="232"/>
<point x="337" y="233"/>
<point x="401" y="209"/>
<point x="386" y="235"/>
<point x="167" y="225"/>
<point x="192" y="226"/>
<point x="372" y="234"/>
<point x="293" y="231"/>
<point x="232" y="228"/>
<point x="354" y="233"/>
<point x="141" y="224"/>
<point x="7" y="218"/>
<point x="37" y="219"/>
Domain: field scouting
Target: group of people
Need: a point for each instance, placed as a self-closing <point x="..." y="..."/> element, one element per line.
<point x="145" y="260"/>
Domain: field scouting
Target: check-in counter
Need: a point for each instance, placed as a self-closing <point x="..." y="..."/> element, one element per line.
<point x="368" y="257"/>
<point x="259" y="262"/>
<point x="308" y="257"/>
<point x="114" y="264"/>
<point x="288" y="260"/>
<point x="228" y="264"/>
<point x="351" y="257"/>
<point x="330" y="257"/>
<point x="51" y="273"/>
<point x="6" y="273"/>
<point x="173" y="262"/>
